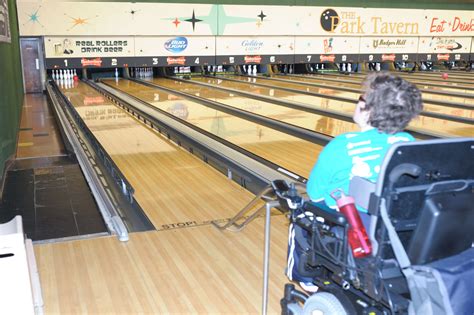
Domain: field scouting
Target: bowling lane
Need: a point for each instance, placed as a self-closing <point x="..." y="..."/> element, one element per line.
<point x="435" y="74"/>
<point x="447" y="128"/>
<point x="429" y="77"/>
<point x="355" y="82"/>
<point x="353" y="95"/>
<point x="425" y="83"/>
<point x="468" y="76"/>
<point x="287" y="115"/>
<point x="427" y="97"/>
<point x="289" y="152"/>
<point x="168" y="181"/>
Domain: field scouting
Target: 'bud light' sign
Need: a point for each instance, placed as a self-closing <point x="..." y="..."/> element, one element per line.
<point x="176" y="45"/>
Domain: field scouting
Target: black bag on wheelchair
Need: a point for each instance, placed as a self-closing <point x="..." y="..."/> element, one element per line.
<point x="421" y="214"/>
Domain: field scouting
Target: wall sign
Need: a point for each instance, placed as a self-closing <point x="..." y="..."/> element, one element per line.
<point x="5" y="35"/>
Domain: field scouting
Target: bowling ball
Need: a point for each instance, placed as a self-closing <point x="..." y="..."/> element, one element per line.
<point x="444" y="76"/>
<point x="76" y="78"/>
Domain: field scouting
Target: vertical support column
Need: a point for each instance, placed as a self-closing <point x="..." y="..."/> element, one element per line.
<point x="266" y="257"/>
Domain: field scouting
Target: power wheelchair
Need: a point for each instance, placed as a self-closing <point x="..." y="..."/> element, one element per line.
<point x="420" y="223"/>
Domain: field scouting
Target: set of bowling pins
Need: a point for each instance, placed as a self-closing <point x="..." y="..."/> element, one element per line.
<point x="215" y="69"/>
<point x="374" y="66"/>
<point x="251" y="70"/>
<point x="67" y="74"/>
<point x="288" y="69"/>
<point x="141" y="72"/>
<point x="182" y="70"/>
<point x="65" y="78"/>
<point x="316" y="67"/>
<point x="345" y="67"/>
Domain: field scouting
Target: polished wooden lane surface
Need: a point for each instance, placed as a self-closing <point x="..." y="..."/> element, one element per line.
<point x="467" y="76"/>
<point x="354" y="95"/>
<point x="197" y="270"/>
<point x="356" y="83"/>
<point x="285" y="114"/>
<point x="38" y="135"/>
<point x="446" y="85"/>
<point x="440" y="126"/>
<point x="430" y="74"/>
<point x="169" y="182"/>
<point x="467" y="79"/>
<point x="314" y="99"/>
<point x="289" y="152"/>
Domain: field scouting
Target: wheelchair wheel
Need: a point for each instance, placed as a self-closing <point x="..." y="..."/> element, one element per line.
<point x="323" y="303"/>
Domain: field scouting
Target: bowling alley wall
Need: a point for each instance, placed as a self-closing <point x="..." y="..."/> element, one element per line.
<point x="11" y="86"/>
<point x="108" y="34"/>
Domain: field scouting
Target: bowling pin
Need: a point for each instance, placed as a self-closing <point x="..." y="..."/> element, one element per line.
<point x="53" y="75"/>
<point x="377" y="66"/>
<point x="244" y="68"/>
<point x="343" y="67"/>
<point x="219" y="68"/>
<point x="249" y="70"/>
<point x="116" y="72"/>
<point x="254" y="72"/>
<point x="349" y="67"/>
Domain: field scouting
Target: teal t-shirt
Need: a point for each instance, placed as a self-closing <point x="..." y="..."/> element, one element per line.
<point x="347" y="155"/>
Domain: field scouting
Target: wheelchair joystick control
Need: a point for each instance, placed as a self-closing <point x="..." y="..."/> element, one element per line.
<point x="288" y="194"/>
<point x="357" y="234"/>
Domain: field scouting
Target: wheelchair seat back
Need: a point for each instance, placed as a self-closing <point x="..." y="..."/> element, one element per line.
<point x="428" y="187"/>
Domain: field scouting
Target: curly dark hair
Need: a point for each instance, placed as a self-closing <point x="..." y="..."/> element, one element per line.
<point x="393" y="102"/>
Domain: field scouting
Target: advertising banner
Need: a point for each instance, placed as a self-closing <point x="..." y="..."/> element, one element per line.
<point x="75" y="52"/>
<point x="386" y="49"/>
<point x="175" y="51"/>
<point x="317" y="49"/>
<point x="254" y="50"/>
<point x="436" y="48"/>
<point x="448" y="23"/>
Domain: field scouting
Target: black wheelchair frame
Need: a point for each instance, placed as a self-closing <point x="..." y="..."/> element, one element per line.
<point x="425" y="186"/>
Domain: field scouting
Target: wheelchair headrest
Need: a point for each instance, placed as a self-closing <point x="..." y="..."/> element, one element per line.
<point x="437" y="160"/>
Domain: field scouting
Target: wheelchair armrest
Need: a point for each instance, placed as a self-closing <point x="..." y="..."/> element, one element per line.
<point x="329" y="215"/>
